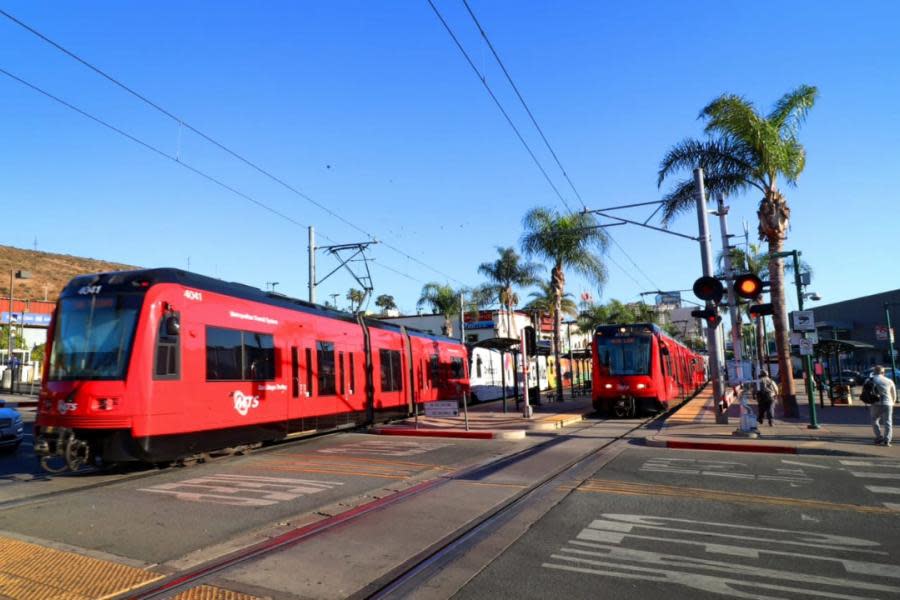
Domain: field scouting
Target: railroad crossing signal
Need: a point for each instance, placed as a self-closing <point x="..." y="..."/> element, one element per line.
<point x="748" y="286"/>
<point x="710" y="315"/>
<point x="709" y="288"/>
<point x="761" y="310"/>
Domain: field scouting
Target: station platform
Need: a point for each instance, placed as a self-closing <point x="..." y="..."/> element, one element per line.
<point x="488" y="421"/>
<point x="843" y="430"/>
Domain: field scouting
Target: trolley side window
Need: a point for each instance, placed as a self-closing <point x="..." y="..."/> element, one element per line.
<point x="352" y="372"/>
<point x="341" y="375"/>
<point x="233" y="355"/>
<point x="168" y="361"/>
<point x="434" y="370"/>
<point x="325" y="361"/>
<point x="309" y="372"/>
<point x="295" y="373"/>
<point x="391" y="371"/>
<point x="456" y="368"/>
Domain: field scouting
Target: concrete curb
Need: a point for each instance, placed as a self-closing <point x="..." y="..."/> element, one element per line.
<point x="513" y="434"/>
<point x="722" y="446"/>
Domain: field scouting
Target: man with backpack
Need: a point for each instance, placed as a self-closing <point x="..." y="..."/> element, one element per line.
<point x="880" y="393"/>
<point x="765" y="397"/>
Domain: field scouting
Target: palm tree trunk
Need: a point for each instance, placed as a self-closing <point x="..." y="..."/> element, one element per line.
<point x="780" y="320"/>
<point x="559" y="282"/>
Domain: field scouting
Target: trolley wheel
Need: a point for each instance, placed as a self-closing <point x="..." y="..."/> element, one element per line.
<point x="623" y="408"/>
<point x="54" y="464"/>
<point x="78" y="454"/>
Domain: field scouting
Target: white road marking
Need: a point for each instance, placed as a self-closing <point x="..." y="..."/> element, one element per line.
<point x="601" y="549"/>
<point x="716" y="468"/>
<point x="892" y="505"/>
<point x="803" y="464"/>
<point x="241" y="490"/>
<point x="882" y="489"/>
<point x="876" y="475"/>
<point x="384" y="448"/>
<point x="887" y="463"/>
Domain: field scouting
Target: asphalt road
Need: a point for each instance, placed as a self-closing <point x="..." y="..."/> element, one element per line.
<point x="659" y="523"/>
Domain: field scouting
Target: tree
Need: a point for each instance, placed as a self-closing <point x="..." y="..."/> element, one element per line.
<point x="572" y="242"/>
<point x="504" y="275"/>
<point x="386" y="303"/>
<point x="616" y="312"/>
<point x="443" y="300"/>
<point x="543" y="300"/>
<point x="356" y="298"/>
<point x="748" y="151"/>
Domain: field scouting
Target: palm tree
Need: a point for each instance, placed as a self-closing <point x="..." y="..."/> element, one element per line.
<point x="385" y="302"/>
<point x="504" y="275"/>
<point x="570" y="242"/>
<point x="542" y="300"/>
<point x="747" y="151"/>
<point x="443" y="300"/>
<point x="356" y="298"/>
<point x="616" y="312"/>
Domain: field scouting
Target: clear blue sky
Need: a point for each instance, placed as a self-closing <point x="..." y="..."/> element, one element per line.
<point x="370" y="109"/>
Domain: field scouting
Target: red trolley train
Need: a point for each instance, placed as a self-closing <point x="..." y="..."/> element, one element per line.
<point x="638" y="368"/>
<point x="160" y="364"/>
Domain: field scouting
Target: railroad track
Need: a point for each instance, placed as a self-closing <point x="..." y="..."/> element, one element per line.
<point x="399" y="581"/>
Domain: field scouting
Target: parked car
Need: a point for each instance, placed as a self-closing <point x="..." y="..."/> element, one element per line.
<point x="11" y="428"/>
<point x="851" y="377"/>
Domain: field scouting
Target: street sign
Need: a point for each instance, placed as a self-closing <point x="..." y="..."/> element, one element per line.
<point x="881" y="332"/>
<point x="442" y="408"/>
<point x="813" y="336"/>
<point x="803" y="320"/>
<point x="806" y="347"/>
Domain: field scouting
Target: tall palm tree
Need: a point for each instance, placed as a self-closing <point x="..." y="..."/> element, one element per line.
<point x="443" y="300"/>
<point x="504" y="275"/>
<point x="543" y="300"/>
<point x="572" y="242"/>
<point x="748" y="151"/>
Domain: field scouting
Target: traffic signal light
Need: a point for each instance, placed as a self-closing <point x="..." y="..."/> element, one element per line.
<point x="530" y="341"/>
<point x="709" y="288"/>
<point x="710" y="315"/>
<point x="748" y="286"/>
<point x="760" y="310"/>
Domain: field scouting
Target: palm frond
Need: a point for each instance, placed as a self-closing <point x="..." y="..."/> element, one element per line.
<point x="791" y="109"/>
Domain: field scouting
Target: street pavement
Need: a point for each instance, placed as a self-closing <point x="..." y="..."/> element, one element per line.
<point x="843" y="429"/>
<point x="659" y="523"/>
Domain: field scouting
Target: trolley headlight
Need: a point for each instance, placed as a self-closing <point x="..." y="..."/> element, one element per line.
<point x="641" y="386"/>
<point x="608" y="386"/>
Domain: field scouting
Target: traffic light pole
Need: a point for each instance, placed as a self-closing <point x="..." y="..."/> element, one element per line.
<point x="722" y="213"/>
<point x="712" y="337"/>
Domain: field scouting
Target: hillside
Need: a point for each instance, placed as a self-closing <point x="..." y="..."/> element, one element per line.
<point x="49" y="272"/>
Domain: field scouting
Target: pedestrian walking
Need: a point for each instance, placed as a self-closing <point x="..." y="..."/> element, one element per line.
<point x="765" y="397"/>
<point x="882" y="408"/>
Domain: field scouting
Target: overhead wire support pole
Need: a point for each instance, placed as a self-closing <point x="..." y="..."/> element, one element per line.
<point x="359" y="248"/>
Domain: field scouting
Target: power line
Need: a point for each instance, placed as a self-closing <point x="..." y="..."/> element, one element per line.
<point x="176" y="160"/>
<point x="522" y="100"/>
<point x="490" y="92"/>
<point x="209" y="139"/>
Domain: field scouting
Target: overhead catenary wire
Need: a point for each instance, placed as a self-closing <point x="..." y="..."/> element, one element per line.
<point x="176" y="160"/>
<point x="506" y="116"/>
<point x="553" y="153"/>
<point x="186" y="125"/>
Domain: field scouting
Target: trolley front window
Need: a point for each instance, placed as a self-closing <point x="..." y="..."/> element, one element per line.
<point x="624" y="355"/>
<point x="93" y="337"/>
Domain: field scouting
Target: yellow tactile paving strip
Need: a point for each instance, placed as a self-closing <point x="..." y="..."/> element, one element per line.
<point x="32" y="572"/>
<point x="691" y="412"/>
<point x="208" y="592"/>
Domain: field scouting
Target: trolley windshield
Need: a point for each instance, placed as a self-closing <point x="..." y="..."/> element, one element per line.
<point x="93" y="336"/>
<point x="628" y="355"/>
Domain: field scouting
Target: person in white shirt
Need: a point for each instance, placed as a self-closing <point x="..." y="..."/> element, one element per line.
<point x="882" y="409"/>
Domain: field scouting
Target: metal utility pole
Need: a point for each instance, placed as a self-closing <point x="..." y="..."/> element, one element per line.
<point x="312" y="264"/>
<point x="807" y="360"/>
<point x="736" y="325"/>
<point x="712" y="337"/>
<point x="887" y="314"/>
<point x="462" y="339"/>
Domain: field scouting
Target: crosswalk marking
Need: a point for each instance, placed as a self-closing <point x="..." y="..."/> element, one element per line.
<point x="887" y="463"/>
<point x="876" y="475"/>
<point x="881" y="489"/>
<point x="719" y="468"/>
<point x="240" y="490"/>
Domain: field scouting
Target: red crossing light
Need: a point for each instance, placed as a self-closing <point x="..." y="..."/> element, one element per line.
<point x="709" y="288"/>
<point x="710" y="315"/>
<point x="748" y="286"/>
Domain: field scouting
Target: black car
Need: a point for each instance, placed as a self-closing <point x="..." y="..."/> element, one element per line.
<point x="851" y="377"/>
